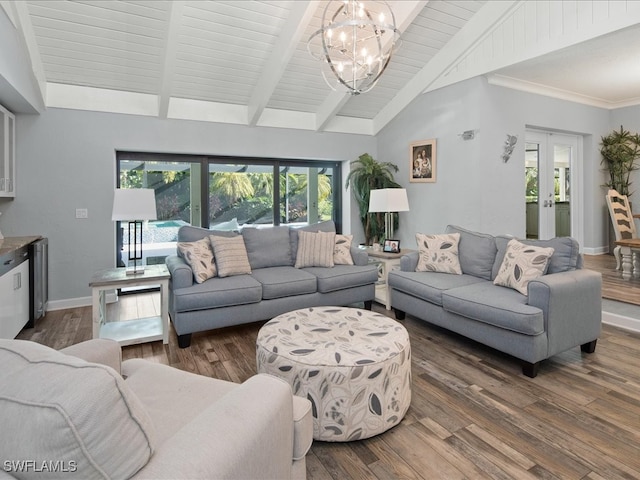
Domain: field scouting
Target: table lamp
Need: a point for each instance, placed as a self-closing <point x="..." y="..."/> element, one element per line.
<point x="389" y="201"/>
<point x="134" y="205"/>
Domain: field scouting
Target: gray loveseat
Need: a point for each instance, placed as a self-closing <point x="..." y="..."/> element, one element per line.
<point x="563" y="308"/>
<point x="273" y="287"/>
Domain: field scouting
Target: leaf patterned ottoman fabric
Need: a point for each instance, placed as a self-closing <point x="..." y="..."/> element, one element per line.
<point x="353" y="365"/>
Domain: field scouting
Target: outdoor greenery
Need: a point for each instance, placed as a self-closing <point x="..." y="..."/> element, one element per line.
<point x="245" y="196"/>
<point x="620" y="152"/>
<point x="368" y="174"/>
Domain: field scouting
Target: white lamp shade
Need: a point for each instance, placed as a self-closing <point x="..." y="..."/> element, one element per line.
<point x="134" y="204"/>
<point x="388" y="200"/>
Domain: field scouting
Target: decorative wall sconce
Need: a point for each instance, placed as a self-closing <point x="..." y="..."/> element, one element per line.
<point x="468" y="135"/>
<point x="509" y="145"/>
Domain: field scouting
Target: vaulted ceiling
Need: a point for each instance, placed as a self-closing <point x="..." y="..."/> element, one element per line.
<point x="246" y="62"/>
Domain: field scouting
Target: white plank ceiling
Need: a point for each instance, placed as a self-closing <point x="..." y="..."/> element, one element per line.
<point x="246" y="62"/>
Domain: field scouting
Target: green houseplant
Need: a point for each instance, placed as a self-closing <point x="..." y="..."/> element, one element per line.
<point x="368" y="174"/>
<point x="620" y="151"/>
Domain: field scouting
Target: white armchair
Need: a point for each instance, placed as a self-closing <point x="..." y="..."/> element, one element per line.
<point x="82" y="412"/>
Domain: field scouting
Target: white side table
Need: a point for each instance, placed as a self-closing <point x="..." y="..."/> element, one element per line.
<point x="386" y="262"/>
<point x="130" y="332"/>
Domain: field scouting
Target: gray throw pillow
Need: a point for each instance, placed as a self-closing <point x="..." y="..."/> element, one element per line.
<point x="315" y="249"/>
<point x="268" y="247"/>
<point x="326" y="226"/>
<point x="476" y="252"/>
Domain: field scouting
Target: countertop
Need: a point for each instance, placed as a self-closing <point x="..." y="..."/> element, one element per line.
<point x="11" y="244"/>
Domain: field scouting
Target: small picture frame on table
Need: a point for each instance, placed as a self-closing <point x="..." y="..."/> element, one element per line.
<point x="391" y="246"/>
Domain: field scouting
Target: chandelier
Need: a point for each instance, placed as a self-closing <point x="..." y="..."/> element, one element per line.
<point x="355" y="43"/>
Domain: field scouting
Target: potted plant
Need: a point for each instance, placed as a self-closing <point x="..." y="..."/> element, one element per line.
<point x="620" y="151"/>
<point x="368" y="174"/>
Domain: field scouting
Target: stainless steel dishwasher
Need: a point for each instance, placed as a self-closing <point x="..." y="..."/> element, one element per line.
<point x="38" y="280"/>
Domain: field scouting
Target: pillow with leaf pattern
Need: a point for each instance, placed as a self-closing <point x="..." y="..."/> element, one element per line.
<point x="438" y="253"/>
<point x="521" y="264"/>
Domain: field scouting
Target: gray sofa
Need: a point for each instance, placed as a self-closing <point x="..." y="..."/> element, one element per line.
<point x="273" y="287"/>
<point x="563" y="308"/>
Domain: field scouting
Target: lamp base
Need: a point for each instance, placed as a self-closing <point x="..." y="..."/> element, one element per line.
<point x="135" y="270"/>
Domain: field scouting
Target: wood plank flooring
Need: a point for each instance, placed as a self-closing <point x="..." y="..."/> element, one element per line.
<point x="473" y="414"/>
<point x="614" y="287"/>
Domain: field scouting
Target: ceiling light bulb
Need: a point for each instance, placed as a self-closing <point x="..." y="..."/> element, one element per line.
<point x="381" y="17"/>
<point x="364" y="52"/>
<point x="343" y="37"/>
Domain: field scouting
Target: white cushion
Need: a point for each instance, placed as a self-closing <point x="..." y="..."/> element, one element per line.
<point x="231" y="255"/>
<point x="199" y="256"/>
<point x="521" y="264"/>
<point x="59" y="408"/>
<point x="315" y="249"/>
<point x="438" y="253"/>
<point x="342" y="250"/>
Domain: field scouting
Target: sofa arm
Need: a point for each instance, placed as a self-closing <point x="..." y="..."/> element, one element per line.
<point x="246" y="434"/>
<point x="409" y="262"/>
<point x="572" y="306"/>
<point x="99" y="350"/>
<point x="181" y="273"/>
<point x="359" y="256"/>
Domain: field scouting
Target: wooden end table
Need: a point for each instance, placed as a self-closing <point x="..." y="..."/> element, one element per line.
<point x="386" y="262"/>
<point x="129" y="332"/>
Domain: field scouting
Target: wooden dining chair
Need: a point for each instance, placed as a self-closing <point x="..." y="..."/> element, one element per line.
<point x="622" y="220"/>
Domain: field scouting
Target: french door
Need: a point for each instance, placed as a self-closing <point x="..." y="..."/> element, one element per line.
<point x="550" y="164"/>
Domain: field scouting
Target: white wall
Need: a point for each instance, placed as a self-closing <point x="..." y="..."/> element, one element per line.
<point x="66" y="160"/>
<point x="474" y="187"/>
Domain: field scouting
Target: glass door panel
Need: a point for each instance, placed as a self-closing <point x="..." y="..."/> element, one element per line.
<point x="175" y="192"/>
<point x="548" y="161"/>
<point x="306" y="194"/>
<point x="240" y="193"/>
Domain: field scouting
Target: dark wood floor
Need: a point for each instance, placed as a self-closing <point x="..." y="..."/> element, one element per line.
<point x="473" y="414"/>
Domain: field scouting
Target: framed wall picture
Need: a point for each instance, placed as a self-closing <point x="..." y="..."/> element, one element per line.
<point x="391" y="246"/>
<point x="422" y="161"/>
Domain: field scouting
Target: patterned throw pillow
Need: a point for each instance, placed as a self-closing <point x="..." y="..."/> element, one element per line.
<point x="315" y="249"/>
<point x="199" y="256"/>
<point x="438" y="253"/>
<point x="521" y="264"/>
<point x="231" y="255"/>
<point x="342" y="250"/>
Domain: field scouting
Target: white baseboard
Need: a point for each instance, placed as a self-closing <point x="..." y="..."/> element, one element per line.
<point x="596" y="251"/>
<point x="76" y="302"/>
<point x="620" y="321"/>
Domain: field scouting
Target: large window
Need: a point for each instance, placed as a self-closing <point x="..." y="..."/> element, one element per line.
<point x="226" y="193"/>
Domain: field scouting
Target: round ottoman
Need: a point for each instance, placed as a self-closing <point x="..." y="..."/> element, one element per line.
<point x="353" y="365"/>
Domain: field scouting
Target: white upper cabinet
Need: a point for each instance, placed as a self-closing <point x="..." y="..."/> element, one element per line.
<point x="7" y="153"/>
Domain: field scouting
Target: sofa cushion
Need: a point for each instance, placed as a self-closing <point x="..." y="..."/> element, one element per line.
<point x="55" y="407"/>
<point x="566" y="253"/>
<point x="326" y="226"/>
<point x="343" y="276"/>
<point x="521" y="264"/>
<point x="189" y="233"/>
<point x="438" y="253"/>
<point x="199" y="256"/>
<point x="267" y="247"/>
<point x="315" y="249"/>
<point x="231" y="255"/>
<point x="278" y="282"/>
<point x="428" y="285"/>
<point x="217" y="292"/>
<point x="476" y="252"/>
<point x="342" y="250"/>
<point x="495" y="305"/>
